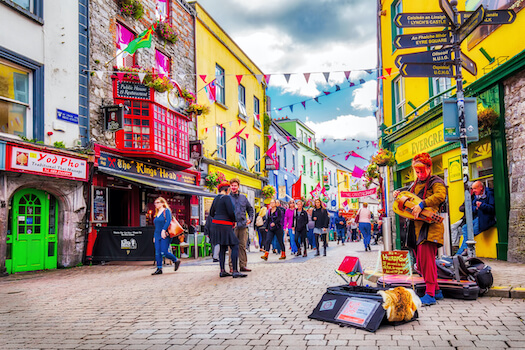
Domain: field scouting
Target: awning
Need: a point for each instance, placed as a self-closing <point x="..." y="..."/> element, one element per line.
<point x="159" y="184"/>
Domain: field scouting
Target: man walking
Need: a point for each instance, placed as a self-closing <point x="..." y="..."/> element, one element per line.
<point x="340" y="225"/>
<point x="242" y="207"/>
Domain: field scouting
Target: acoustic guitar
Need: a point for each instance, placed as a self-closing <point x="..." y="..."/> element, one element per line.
<point x="406" y="201"/>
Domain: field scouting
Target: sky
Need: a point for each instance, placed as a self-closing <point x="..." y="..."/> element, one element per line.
<point x="303" y="36"/>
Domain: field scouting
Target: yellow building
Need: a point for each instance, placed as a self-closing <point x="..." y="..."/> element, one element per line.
<point x="232" y="133"/>
<point x="346" y="183"/>
<point x="411" y="116"/>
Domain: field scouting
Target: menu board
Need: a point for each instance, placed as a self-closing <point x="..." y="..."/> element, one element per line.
<point x="100" y="205"/>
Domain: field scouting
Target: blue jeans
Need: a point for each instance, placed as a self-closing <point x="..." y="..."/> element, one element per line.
<point x="311" y="237"/>
<point x="365" y="228"/>
<point x="475" y="224"/>
<point x="341" y="234"/>
<point x="293" y="246"/>
<point x="161" y="250"/>
<point x="275" y="244"/>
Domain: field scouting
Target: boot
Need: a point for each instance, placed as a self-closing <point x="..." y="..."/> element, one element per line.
<point x="157" y="272"/>
<point x="298" y="252"/>
<point x="265" y="256"/>
<point x="283" y="255"/>
<point x="305" y="254"/>
<point x="318" y="253"/>
<point x="324" y="252"/>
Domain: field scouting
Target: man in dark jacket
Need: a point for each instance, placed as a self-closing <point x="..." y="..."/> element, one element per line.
<point x="483" y="205"/>
<point x="242" y="207"/>
<point x="300" y="222"/>
<point x="340" y="225"/>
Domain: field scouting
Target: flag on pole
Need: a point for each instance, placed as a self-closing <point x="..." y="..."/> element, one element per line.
<point x="237" y="134"/>
<point x="210" y="91"/>
<point x="272" y="154"/>
<point x="357" y="172"/>
<point x="296" y="188"/>
<point x="142" y="41"/>
<point x="315" y="192"/>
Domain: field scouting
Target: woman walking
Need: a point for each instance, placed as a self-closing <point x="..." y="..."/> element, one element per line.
<point x="260" y="226"/>
<point x="223" y="213"/>
<point x="322" y="221"/>
<point x="311" y="225"/>
<point x="274" y="224"/>
<point x="161" y="238"/>
<point x="364" y="225"/>
<point x="289" y="225"/>
<point x="300" y="223"/>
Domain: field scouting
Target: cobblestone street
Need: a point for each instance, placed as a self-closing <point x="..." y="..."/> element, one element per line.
<point x="120" y="306"/>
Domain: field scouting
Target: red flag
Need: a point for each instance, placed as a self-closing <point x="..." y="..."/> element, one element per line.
<point x="238" y="145"/>
<point x="237" y="134"/>
<point x="203" y="77"/>
<point x="239" y="78"/>
<point x="247" y="135"/>
<point x="388" y="70"/>
<point x="347" y="74"/>
<point x="296" y="189"/>
<point x="353" y="154"/>
<point x="307" y="77"/>
<point x="357" y="172"/>
<point x="239" y="122"/>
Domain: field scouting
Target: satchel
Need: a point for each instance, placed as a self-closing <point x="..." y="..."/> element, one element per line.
<point x="174" y="229"/>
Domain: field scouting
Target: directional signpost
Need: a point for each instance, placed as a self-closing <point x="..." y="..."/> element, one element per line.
<point x="426" y="70"/>
<point x="433" y="56"/>
<point x="470" y="24"/>
<point x="439" y="19"/>
<point x="406" y="41"/>
<point x="493" y="17"/>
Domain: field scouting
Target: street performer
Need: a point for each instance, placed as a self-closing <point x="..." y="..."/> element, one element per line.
<point x="428" y="237"/>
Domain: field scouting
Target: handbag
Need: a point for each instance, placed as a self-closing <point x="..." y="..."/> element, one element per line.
<point x="357" y="216"/>
<point x="174" y="229"/>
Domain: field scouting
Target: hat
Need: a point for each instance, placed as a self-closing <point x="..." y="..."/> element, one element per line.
<point x="223" y="184"/>
<point x="423" y="158"/>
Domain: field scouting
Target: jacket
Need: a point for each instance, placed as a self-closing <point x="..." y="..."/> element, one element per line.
<point x="486" y="210"/>
<point x="222" y="209"/>
<point x="288" y="219"/>
<point x="242" y="207"/>
<point x="338" y="219"/>
<point x="275" y="218"/>
<point x="300" y="220"/>
<point x="435" y="195"/>
<point x="323" y="221"/>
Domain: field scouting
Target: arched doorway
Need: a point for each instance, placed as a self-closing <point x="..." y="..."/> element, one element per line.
<point x="32" y="238"/>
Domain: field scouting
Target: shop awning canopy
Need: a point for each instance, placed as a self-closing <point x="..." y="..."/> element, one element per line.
<point x="159" y="184"/>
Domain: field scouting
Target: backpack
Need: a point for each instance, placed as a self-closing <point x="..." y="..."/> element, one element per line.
<point x="259" y="221"/>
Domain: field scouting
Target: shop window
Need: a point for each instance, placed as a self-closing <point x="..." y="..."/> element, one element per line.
<point x="407" y="176"/>
<point x="399" y="100"/>
<point x="257" y="158"/>
<point x="242" y="102"/>
<point x="162" y="63"/>
<point x="137" y="125"/>
<point x="437" y="166"/>
<point x="15" y="117"/>
<point x="256" y="115"/>
<point x="219" y="85"/>
<point x="162" y="10"/>
<point x="480" y="156"/>
<point x="124" y="37"/>
<point x="396" y="8"/>
<point x="221" y="142"/>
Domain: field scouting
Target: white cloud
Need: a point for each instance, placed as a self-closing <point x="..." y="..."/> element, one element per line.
<point x="365" y="96"/>
<point x="345" y="127"/>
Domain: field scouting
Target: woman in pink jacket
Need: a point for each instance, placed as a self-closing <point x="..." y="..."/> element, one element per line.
<point x="288" y="225"/>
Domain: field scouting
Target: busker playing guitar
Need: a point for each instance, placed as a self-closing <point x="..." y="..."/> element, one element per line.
<point x="424" y="236"/>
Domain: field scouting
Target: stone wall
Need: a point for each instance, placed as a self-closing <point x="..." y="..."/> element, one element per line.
<point x="103" y="17"/>
<point x="515" y="134"/>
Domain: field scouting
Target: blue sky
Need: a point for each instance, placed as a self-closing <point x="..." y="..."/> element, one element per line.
<point x="303" y="36"/>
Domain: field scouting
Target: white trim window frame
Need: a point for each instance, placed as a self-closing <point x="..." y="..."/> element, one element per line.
<point x="399" y="99"/>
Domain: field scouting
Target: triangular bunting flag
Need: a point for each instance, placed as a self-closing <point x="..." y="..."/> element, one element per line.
<point x="337" y="88"/>
<point x="203" y="77"/>
<point x="361" y="81"/>
<point x="142" y="76"/>
<point x="324" y="140"/>
<point x="291" y="108"/>
<point x="304" y="104"/>
<point x="239" y="122"/>
<point x="206" y="130"/>
<point x="326" y="76"/>
<point x="347" y="74"/>
<point x="369" y="71"/>
<point x="388" y="70"/>
<point x="326" y="93"/>
<point x="231" y="124"/>
<point x="382" y="77"/>
<point x="239" y="78"/>
<point x="267" y="78"/>
<point x="307" y="77"/>
<point x="259" y="78"/>
<point x="287" y="77"/>
<point x="247" y="135"/>
<point x="269" y="137"/>
<point x="100" y="74"/>
<point x="317" y="100"/>
<point x="287" y="138"/>
<point x="120" y="76"/>
<point x="352" y="84"/>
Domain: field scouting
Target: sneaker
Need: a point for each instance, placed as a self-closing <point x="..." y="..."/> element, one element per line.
<point x="184" y="256"/>
<point x="238" y="275"/>
<point x="428" y="300"/>
<point x="224" y="274"/>
<point x="439" y="295"/>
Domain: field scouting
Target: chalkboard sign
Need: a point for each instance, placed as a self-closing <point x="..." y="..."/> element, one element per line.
<point x="133" y="90"/>
<point x="100" y="205"/>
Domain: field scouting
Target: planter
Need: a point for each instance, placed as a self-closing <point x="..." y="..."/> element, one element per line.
<point x="132" y="8"/>
<point x="167" y="32"/>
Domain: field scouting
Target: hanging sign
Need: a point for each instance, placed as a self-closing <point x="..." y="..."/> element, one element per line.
<point x="113" y="117"/>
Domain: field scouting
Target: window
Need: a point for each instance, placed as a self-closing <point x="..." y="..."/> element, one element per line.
<point x="346" y="181"/>
<point x="137" y="125"/>
<point x="396" y="8"/>
<point x="304" y="190"/>
<point x="221" y="142"/>
<point x="162" y="10"/>
<point x="438" y="86"/>
<point x="311" y="169"/>
<point x="14" y="100"/>
<point x="257" y="158"/>
<point x="242" y="102"/>
<point x="242" y="154"/>
<point x="162" y="63"/>
<point x="293" y="161"/>
<point x="256" y="115"/>
<point x="219" y="85"/>
<point x="318" y="173"/>
<point x="284" y="158"/>
<point x="124" y="37"/>
<point x="304" y="164"/>
<point x="399" y="100"/>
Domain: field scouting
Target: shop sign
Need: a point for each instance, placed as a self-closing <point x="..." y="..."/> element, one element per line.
<point x="126" y="89"/>
<point x="100" y="205"/>
<point x="455" y="172"/>
<point x="67" y="116"/>
<point x="427" y="142"/>
<point x="148" y="170"/>
<point x="44" y="163"/>
<point x="124" y="243"/>
<point x="113" y="117"/>
<point x="196" y="149"/>
<point x="358" y="194"/>
<point x="395" y="262"/>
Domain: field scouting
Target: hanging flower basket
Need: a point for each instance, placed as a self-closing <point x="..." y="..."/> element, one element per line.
<point x="268" y="191"/>
<point x="160" y="84"/>
<point x="166" y="31"/>
<point x="198" y="109"/>
<point x="132" y="8"/>
<point x="384" y="157"/>
<point x="132" y="74"/>
<point x="487" y="118"/>
<point x="213" y="179"/>
<point x="188" y="95"/>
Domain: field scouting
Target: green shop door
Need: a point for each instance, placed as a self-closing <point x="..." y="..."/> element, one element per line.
<point x="32" y="241"/>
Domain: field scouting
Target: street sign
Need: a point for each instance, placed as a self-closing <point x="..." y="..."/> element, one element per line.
<point x="469" y="64"/>
<point x="471" y="24"/>
<point x="493" y="16"/>
<point x="405" y="41"/>
<point x="412" y="20"/>
<point x="448" y="10"/>
<point x="426" y="70"/>
<point x="434" y="56"/>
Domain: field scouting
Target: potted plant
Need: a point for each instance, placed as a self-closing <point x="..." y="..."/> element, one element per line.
<point x="166" y="31"/>
<point x="132" y="8"/>
<point x="268" y="191"/>
<point x="188" y="95"/>
<point x="383" y="157"/>
<point x="198" y="109"/>
<point x="487" y="118"/>
<point x="160" y="84"/>
<point x="213" y="179"/>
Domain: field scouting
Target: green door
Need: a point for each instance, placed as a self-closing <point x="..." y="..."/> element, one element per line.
<point x="33" y="234"/>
